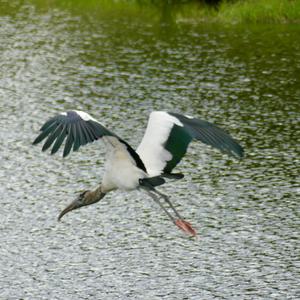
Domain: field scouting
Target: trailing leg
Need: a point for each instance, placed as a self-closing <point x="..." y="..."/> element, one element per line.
<point x="153" y="193"/>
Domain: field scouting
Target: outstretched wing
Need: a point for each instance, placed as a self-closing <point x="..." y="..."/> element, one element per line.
<point x="168" y="135"/>
<point x="77" y="126"/>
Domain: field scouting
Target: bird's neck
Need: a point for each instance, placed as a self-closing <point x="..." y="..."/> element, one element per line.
<point x="95" y="195"/>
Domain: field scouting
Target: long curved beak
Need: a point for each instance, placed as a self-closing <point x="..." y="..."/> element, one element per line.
<point x="73" y="205"/>
<point x="84" y="199"/>
<point x="69" y="208"/>
<point x="77" y="203"/>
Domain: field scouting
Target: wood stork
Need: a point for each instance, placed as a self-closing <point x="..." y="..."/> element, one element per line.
<point x="164" y="144"/>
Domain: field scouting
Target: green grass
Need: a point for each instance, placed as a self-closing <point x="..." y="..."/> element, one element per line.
<point x="194" y="11"/>
<point x="242" y="11"/>
<point x="259" y="11"/>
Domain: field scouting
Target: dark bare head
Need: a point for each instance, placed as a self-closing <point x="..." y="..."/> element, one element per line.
<point x="83" y="199"/>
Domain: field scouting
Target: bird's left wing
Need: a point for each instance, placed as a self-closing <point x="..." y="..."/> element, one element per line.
<point x="168" y="135"/>
<point x="77" y="126"/>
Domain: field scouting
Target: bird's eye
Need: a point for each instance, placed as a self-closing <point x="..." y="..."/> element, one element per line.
<point x="83" y="193"/>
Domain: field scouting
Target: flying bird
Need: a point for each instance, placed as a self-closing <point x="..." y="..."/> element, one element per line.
<point x="164" y="144"/>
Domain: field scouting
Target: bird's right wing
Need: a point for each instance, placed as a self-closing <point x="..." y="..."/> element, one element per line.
<point x="77" y="126"/>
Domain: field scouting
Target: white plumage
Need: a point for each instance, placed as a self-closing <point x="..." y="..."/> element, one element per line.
<point x="121" y="171"/>
<point x="151" y="149"/>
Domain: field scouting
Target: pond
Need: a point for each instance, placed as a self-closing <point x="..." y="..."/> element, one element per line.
<point x="120" y="64"/>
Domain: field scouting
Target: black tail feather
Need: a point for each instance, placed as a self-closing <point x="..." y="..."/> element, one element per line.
<point x="172" y="175"/>
<point x="152" y="181"/>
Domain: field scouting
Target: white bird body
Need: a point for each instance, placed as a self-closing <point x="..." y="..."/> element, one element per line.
<point x="120" y="171"/>
<point x="164" y="144"/>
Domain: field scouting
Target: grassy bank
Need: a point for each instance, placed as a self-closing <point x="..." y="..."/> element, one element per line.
<point x="242" y="11"/>
<point x="228" y="11"/>
<point x="259" y="11"/>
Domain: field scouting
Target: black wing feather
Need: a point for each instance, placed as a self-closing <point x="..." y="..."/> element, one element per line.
<point x="75" y="134"/>
<point x="55" y="133"/>
<point x="44" y="133"/>
<point x="207" y="137"/>
<point x="210" y="134"/>
<point x="81" y="138"/>
<point x="69" y="141"/>
<point x="86" y="133"/>
<point x="48" y="123"/>
<point x="176" y="144"/>
<point x="60" y="139"/>
<point x="76" y="127"/>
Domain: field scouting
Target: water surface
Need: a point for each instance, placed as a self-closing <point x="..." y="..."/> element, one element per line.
<point x="119" y="66"/>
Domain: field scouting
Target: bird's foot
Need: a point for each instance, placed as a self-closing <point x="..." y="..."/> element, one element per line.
<point x="186" y="227"/>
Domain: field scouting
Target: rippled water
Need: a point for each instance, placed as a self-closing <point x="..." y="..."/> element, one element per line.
<point x="119" y="69"/>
